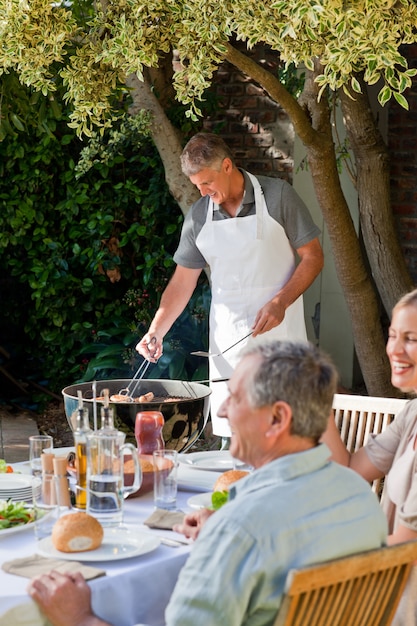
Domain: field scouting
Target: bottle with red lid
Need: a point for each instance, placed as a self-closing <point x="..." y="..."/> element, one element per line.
<point x="148" y="431"/>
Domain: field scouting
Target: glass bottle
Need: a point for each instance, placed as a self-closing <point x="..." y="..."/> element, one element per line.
<point x="107" y="418"/>
<point x="81" y="432"/>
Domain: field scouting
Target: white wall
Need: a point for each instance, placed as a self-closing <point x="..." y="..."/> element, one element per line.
<point x="333" y="324"/>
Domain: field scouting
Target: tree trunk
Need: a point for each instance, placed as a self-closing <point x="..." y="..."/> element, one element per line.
<point x="167" y="140"/>
<point x="373" y="186"/>
<point x="312" y="125"/>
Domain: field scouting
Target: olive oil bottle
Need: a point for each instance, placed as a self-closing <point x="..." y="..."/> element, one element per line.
<point x="81" y="432"/>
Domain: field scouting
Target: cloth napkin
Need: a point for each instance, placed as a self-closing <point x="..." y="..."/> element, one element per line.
<point x="164" y="520"/>
<point x="32" y="566"/>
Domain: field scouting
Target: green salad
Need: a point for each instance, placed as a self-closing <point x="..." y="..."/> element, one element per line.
<point x="4" y="468"/>
<point x="218" y="498"/>
<point x="14" y="514"/>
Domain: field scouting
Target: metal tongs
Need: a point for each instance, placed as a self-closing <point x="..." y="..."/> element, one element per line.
<point x="127" y="392"/>
<point x="207" y="354"/>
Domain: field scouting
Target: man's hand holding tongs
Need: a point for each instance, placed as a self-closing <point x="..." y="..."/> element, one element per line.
<point x="150" y="347"/>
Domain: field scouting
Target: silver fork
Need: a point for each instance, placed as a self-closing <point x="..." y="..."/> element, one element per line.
<point x="207" y="354"/>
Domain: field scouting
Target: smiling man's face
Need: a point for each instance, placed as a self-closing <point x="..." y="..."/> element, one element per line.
<point x="214" y="182"/>
<point x="248" y="424"/>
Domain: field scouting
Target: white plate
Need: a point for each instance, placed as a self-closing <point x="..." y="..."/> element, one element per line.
<point x="15" y="529"/>
<point x="22" y="467"/>
<point x="17" y="498"/>
<point x="13" y="482"/>
<point x="200" y="501"/>
<point x="190" y="480"/>
<point x="63" y="451"/>
<point x="214" y="461"/>
<point x="118" y="543"/>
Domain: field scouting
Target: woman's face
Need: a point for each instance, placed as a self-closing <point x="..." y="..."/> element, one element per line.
<point x="402" y="348"/>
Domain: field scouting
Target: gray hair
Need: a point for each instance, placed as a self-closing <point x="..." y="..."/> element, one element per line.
<point x="299" y="374"/>
<point x="204" y="150"/>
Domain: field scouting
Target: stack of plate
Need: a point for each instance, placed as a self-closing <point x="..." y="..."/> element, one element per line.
<point x="16" y="487"/>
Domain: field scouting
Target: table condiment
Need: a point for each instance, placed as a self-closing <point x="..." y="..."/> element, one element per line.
<point x="47" y="464"/>
<point x="61" y="481"/>
<point x="107" y="417"/>
<point x="148" y="431"/>
<point x="81" y="431"/>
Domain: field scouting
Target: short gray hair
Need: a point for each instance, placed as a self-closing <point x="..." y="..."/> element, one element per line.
<point x="204" y="150"/>
<point x="299" y="374"/>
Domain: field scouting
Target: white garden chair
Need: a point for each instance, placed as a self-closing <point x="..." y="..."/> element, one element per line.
<point x="357" y="417"/>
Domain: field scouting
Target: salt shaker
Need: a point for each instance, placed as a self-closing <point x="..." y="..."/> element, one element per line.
<point x="48" y="493"/>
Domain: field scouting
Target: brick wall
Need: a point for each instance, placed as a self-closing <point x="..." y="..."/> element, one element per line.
<point x="261" y="136"/>
<point x="402" y="142"/>
<point x="253" y="125"/>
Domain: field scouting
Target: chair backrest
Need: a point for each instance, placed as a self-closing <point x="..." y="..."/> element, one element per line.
<point x="359" y="590"/>
<point x="359" y="416"/>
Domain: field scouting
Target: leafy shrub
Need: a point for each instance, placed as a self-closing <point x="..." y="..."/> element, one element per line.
<point x="86" y="260"/>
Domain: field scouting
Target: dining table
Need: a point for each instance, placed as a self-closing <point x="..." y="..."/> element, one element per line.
<point x="134" y="590"/>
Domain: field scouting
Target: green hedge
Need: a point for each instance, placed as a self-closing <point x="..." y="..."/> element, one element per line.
<point x="64" y="239"/>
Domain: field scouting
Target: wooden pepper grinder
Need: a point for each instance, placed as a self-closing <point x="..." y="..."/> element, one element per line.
<point x="61" y="480"/>
<point x="48" y="492"/>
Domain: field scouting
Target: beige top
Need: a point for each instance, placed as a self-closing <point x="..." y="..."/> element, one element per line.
<point x="384" y="450"/>
<point x="397" y="478"/>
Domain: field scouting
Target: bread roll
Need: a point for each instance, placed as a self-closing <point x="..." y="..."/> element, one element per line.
<point x="227" y="478"/>
<point x="77" y="532"/>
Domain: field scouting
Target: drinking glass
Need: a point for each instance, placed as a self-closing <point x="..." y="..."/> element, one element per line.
<point x="165" y="479"/>
<point x="48" y="504"/>
<point x="37" y="445"/>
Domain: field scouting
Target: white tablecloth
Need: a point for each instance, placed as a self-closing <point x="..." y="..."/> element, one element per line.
<point x="134" y="590"/>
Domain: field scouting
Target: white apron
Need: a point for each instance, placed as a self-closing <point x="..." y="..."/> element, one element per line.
<point x="250" y="260"/>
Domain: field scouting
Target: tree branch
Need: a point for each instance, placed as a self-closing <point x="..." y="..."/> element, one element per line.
<point x="166" y="138"/>
<point x="276" y="91"/>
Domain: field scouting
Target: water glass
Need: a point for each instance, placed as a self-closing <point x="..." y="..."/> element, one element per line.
<point x="37" y="445"/>
<point x="48" y="505"/>
<point x="165" y="479"/>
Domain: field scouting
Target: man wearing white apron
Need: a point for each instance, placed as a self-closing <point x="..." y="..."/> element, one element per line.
<point x="246" y="230"/>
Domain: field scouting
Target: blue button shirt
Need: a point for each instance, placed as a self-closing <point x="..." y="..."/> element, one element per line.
<point x="297" y="510"/>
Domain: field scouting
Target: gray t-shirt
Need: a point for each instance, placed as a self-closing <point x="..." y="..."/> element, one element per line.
<point x="283" y="203"/>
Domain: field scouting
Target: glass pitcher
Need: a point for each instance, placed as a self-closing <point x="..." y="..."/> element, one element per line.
<point x="105" y="475"/>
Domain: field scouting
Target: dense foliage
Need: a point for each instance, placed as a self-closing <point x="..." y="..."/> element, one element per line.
<point x="102" y="50"/>
<point x="97" y="45"/>
<point x="85" y="257"/>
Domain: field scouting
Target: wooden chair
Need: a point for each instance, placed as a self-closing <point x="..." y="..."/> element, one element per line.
<point x="359" y="590"/>
<point x="359" y="416"/>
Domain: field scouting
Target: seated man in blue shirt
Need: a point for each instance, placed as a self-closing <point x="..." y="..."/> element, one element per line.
<point x="296" y="508"/>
